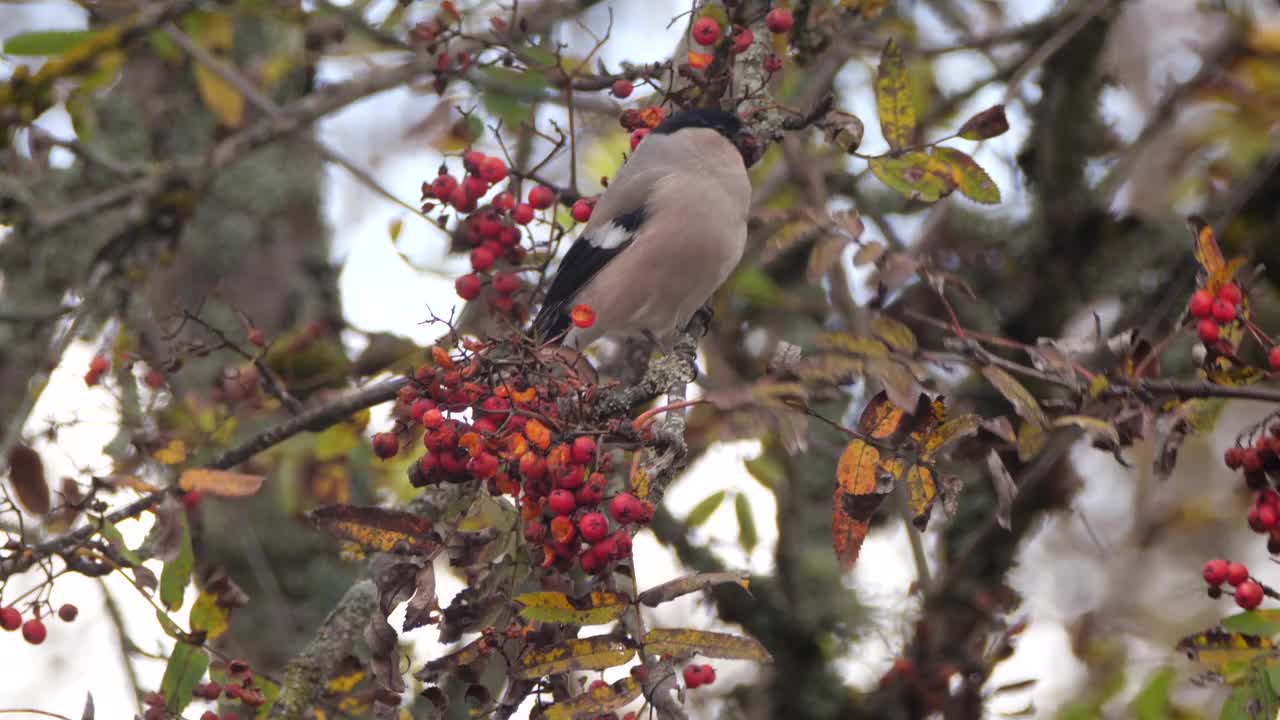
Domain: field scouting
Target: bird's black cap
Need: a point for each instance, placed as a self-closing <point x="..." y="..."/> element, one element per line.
<point x="723" y="122"/>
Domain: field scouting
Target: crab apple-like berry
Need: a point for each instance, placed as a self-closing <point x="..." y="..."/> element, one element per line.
<point x="1223" y="311"/>
<point x="1237" y="573"/>
<point x="562" y="529"/>
<point x="506" y="283"/>
<point x="482" y="259"/>
<point x="1267" y="517"/>
<point x="625" y="508"/>
<point x="1273" y="358"/>
<point x="34" y="631"/>
<point x="1215" y="571"/>
<point x="493" y="170"/>
<point x="471" y="160"/>
<point x="1201" y="304"/>
<point x="779" y="20"/>
<point x="504" y="201"/>
<point x="461" y="201"/>
<point x="707" y="673"/>
<point x="10" y="619"/>
<point x="475" y="187"/>
<point x="443" y="186"/>
<point x="582" y="315"/>
<point x="483" y="466"/>
<point x="1230" y="293"/>
<point x="772" y="63"/>
<point x="468" y="286"/>
<point x="583" y="450"/>
<point x="522" y="214"/>
<point x="1249" y="595"/>
<point x="433" y="419"/>
<point x="1233" y="457"/>
<point x="637" y="135"/>
<point x="191" y="500"/>
<point x="1252" y="460"/>
<point x="541" y="197"/>
<point x="706" y="31"/>
<point x="622" y="88"/>
<point x="561" y="502"/>
<point x="386" y="445"/>
<point x="590" y="562"/>
<point x="1208" y="331"/>
<point x="209" y="715"/>
<point x="692" y="678"/>
<point x="593" y="527"/>
<point x="582" y="210"/>
<point x="741" y="38"/>
<point x="99" y="364"/>
<point x="420" y="407"/>
<point x="68" y="612"/>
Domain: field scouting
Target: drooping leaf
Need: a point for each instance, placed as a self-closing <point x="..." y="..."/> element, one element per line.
<point x="423" y="603"/>
<point x="186" y="667"/>
<point x="916" y="175"/>
<point x="222" y="483"/>
<point x="1207" y="252"/>
<point x="921" y="492"/>
<point x="686" y="641"/>
<point x="1024" y="403"/>
<point x="45" y="42"/>
<point x="704" y="509"/>
<point x="858" y="490"/>
<point x="462" y="657"/>
<point x="824" y="255"/>
<point x="26" y="476"/>
<point x="894" y="333"/>
<point x="894" y="102"/>
<point x="216" y="33"/>
<point x="593" y="653"/>
<point x="951" y="431"/>
<point x="672" y="589"/>
<point x="898" y="381"/>
<point x="987" y="124"/>
<point x="747" y="535"/>
<point x="376" y="529"/>
<point x="597" y="608"/>
<point x="596" y="701"/>
<point x="177" y="573"/>
<point x="1005" y="489"/>
<point x="1031" y="440"/>
<point x="789" y="235"/>
<point x="969" y="177"/>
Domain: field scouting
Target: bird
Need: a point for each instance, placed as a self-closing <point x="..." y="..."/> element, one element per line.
<point x="662" y="238"/>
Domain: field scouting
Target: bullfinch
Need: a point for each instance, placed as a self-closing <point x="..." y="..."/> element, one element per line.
<point x="665" y="234"/>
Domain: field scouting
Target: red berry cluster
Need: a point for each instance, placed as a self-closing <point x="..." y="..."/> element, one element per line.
<point x="1214" y="312"/>
<point x="34" y="630"/>
<point x="1248" y="592"/>
<point x="696" y="676"/>
<point x="641" y="122"/>
<point x="240" y="687"/>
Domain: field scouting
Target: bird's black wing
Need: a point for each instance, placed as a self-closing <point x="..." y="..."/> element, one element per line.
<point x="585" y="258"/>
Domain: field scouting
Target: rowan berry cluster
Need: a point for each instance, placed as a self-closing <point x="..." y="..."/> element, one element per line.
<point x="1214" y="312"/>
<point x="1248" y="591"/>
<point x="34" y="630"/>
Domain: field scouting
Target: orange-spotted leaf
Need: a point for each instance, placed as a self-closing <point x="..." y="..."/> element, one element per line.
<point x="222" y="483"/>
<point x="922" y="490"/>
<point x="593" y="653"/>
<point x="699" y="61"/>
<point x="916" y="175"/>
<point x="881" y="419"/>
<point x="597" y="608"/>
<point x="596" y="701"/>
<point x="376" y="529"/>
<point x="684" y="641"/>
<point x="894" y="101"/>
<point x="970" y="179"/>
<point x="951" y="431"/>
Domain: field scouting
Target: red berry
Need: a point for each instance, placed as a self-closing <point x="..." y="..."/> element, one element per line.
<point x="1201" y="305"/>
<point x="99" y="364"/>
<point x="33" y="631"/>
<point x="1267" y="517"/>
<point x="506" y="283"/>
<point x="591" y="562"/>
<point x="443" y="186"/>
<point x="582" y="315"/>
<point x="541" y="197"/>
<point x="692" y="678"/>
<point x="708" y="674"/>
<point x="154" y="379"/>
<point x="433" y="419"/>
<point x="1233" y="457"/>
<point x="1252" y="461"/>
<point x="1249" y="595"/>
<point x="621" y="88"/>
<point x="191" y="500"/>
<point x="386" y="445"/>
<point x="1237" y="573"/>
<point x="593" y="527"/>
<point x="483" y="466"/>
<point x="68" y="612"/>
<point x="472" y="159"/>
<point x="582" y="210"/>
<point x="637" y="135"/>
<point x="523" y="214"/>
<point x="212" y="690"/>
<point x="493" y="170"/>
<point x="571" y="478"/>
<point x="1230" y="293"/>
<point x="706" y="31"/>
<point x="779" y="20"/>
<point x="1273" y="358"/>
<point x="1223" y="311"/>
<point x="209" y="715"/>
<point x="1215" y="571"/>
<point x="468" y="286"/>
<point x="625" y="508"/>
<point x="772" y="63"/>
<point x="257" y="337"/>
<point x="561" y="502"/>
<point x="742" y="38"/>
<point x="10" y="619"/>
<point x="504" y="201"/>
<point x="1208" y="331"/>
<point x="482" y="259"/>
<point x="532" y="466"/>
<point x="420" y="408"/>
<point x="461" y="201"/>
<point x="583" y="450"/>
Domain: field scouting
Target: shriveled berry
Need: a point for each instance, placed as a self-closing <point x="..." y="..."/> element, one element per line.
<point x="1249" y="595"/>
<point x="742" y="38"/>
<point x="1201" y="304"/>
<point x="68" y="612"/>
<point x="386" y="445"/>
<point x="637" y="135"/>
<point x="622" y="88"/>
<point x="593" y="527"/>
<point x="705" y="31"/>
<point x="468" y="286"/>
<point x="583" y="450"/>
<point x="1231" y="293"/>
<point x="561" y="502"/>
<point x="483" y="466"/>
<point x="1223" y="311"/>
<point x="1237" y="573"/>
<point x="779" y="20"/>
<point x="1208" y="331"/>
<point x="212" y="690"/>
<point x="541" y="197"/>
<point x="34" y="631"/>
<point x="772" y="63"/>
<point x="562" y="529"/>
<point x="581" y="210"/>
<point x="10" y="619"/>
<point x="1215" y="571"/>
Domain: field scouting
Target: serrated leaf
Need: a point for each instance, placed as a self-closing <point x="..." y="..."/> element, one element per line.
<point x="747" y="535"/>
<point x="953" y="430"/>
<point x="672" y="589"/>
<point x="597" y="608"/>
<point x="894" y="102"/>
<point x="376" y="529"/>
<point x="895" y="334"/>
<point x="704" y="509"/>
<point x="27" y="478"/>
<point x="183" y="672"/>
<point x="987" y="124"/>
<point x="209" y="617"/>
<point x="916" y="175"/>
<point x="596" y="700"/>
<point x="593" y="653"/>
<point x="46" y="42"/>
<point x="177" y="572"/>
<point x="969" y="177"/>
<point x="222" y="483"/>
<point x="1024" y="403"/>
<point x="685" y="641"/>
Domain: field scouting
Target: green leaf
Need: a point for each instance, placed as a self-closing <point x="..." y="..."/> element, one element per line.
<point x="766" y="470"/>
<point x="270" y="693"/>
<point x="507" y="93"/>
<point x="1255" y="622"/>
<point x="747" y="535"/>
<point x="969" y="177"/>
<point x="177" y="572"/>
<point x="703" y="510"/>
<point x="209" y="617"/>
<point x="185" y="669"/>
<point x="113" y="536"/>
<point x="894" y="102"/>
<point x="45" y="42"/>
<point x="916" y="175"/>
<point x="1152" y="702"/>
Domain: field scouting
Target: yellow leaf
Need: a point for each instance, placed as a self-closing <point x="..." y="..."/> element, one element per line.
<point x="672" y="589"/>
<point x="857" y="493"/>
<point x="895" y="334"/>
<point x="220" y="482"/>
<point x="685" y="641"/>
<point x="893" y="99"/>
<point x="596" y="608"/>
<point x="172" y="454"/>
<point x="917" y="175"/>
<point x="593" y="653"/>
<point x="1031" y="441"/>
<point x="948" y="432"/>
<point x="208" y="616"/>
<point x="1207" y="252"/>
<point x="596" y="700"/>
<point x="216" y="34"/>
<point x="1219" y="649"/>
<point x="1093" y="426"/>
<point x="921" y="492"/>
<point x="1024" y="403"/>
<point x="970" y="179"/>
<point x="376" y="529"/>
<point x="843" y="342"/>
